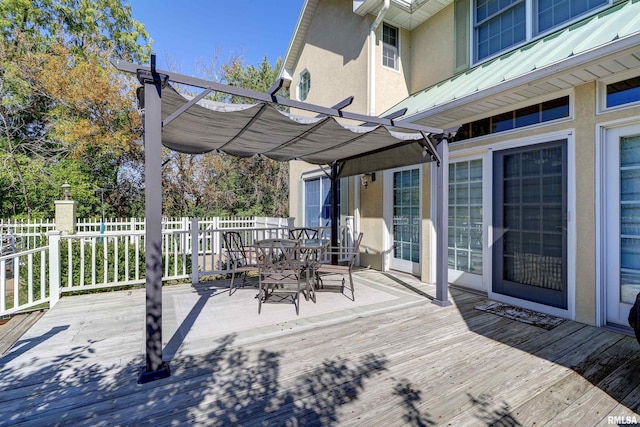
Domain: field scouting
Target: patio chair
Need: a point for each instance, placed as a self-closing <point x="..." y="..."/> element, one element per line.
<point x="242" y="259"/>
<point x="303" y="233"/>
<point x="343" y="269"/>
<point x="279" y="266"/>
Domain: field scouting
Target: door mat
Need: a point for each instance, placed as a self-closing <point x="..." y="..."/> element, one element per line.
<point x="523" y="315"/>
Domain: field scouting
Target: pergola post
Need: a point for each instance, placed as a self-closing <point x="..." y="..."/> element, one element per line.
<point x="335" y="213"/>
<point x="442" y="231"/>
<point x="155" y="368"/>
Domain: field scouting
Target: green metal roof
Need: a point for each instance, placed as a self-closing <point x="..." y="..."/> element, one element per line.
<point x="609" y="26"/>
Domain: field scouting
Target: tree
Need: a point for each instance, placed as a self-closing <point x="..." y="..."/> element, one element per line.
<point x="218" y="184"/>
<point x="61" y="102"/>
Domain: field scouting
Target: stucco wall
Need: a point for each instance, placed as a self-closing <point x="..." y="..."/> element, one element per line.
<point x="392" y="85"/>
<point x="432" y="50"/>
<point x="335" y="54"/>
<point x="372" y="224"/>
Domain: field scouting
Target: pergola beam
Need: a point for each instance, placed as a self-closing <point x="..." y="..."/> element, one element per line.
<point x="276" y="99"/>
<point x="185" y="107"/>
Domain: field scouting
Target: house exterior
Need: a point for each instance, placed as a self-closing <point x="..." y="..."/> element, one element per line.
<point x="539" y="102"/>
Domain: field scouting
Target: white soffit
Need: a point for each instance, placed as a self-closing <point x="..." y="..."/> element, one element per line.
<point x="406" y="14"/>
<point x="596" y="47"/>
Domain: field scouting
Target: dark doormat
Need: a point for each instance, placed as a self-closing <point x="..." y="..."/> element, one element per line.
<point x="523" y="315"/>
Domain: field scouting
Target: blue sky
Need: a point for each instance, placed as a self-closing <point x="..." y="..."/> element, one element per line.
<point x="186" y="30"/>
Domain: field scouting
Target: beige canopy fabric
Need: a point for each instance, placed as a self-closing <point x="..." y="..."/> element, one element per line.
<point x="246" y="130"/>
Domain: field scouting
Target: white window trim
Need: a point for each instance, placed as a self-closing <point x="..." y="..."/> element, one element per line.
<point x="319" y="173"/>
<point x="397" y="48"/>
<point x="308" y="176"/>
<point x="569" y="135"/>
<point x="601" y="93"/>
<point x="530" y="36"/>
<point x="559" y="94"/>
<point x="298" y="89"/>
<point x="462" y="278"/>
<point x="387" y="215"/>
<point x="601" y="133"/>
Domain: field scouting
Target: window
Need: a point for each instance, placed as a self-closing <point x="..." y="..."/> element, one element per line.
<point x="390" y="46"/>
<point x="501" y="24"/>
<point x="527" y="116"/>
<point x="317" y="202"/>
<point x="623" y="92"/>
<point x="554" y="12"/>
<point x="304" y="85"/>
<point x="465" y="216"/>
<point x="406" y="215"/>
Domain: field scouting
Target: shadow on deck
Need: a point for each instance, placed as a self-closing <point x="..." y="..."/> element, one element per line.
<point x="393" y="359"/>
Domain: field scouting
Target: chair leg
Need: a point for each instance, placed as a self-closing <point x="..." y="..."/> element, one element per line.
<point x="260" y="298"/>
<point x="353" y="296"/>
<point x="233" y="275"/>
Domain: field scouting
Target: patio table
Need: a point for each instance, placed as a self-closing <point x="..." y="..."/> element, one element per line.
<point x="311" y="253"/>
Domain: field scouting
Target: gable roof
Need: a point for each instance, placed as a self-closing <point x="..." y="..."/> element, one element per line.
<point x="596" y="47"/>
<point x="298" y="37"/>
<point x="402" y="13"/>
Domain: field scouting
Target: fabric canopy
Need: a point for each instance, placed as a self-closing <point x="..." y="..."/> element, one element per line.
<point x="246" y="130"/>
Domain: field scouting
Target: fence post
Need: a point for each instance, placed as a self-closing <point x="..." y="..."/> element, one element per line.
<point x="54" y="267"/>
<point x="195" y="271"/>
<point x="214" y="240"/>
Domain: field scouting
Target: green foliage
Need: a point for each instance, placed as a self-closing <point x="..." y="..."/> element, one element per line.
<point x="66" y="115"/>
<point x="61" y="102"/>
<point x="217" y="184"/>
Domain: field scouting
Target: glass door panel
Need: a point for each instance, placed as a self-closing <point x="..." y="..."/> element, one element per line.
<point x="629" y="218"/>
<point x="621" y="254"/>
<point x="530" y="207"/>
<point x="406" y="220"/>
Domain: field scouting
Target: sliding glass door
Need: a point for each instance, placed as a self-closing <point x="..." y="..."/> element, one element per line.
<point x="530" y="223"/>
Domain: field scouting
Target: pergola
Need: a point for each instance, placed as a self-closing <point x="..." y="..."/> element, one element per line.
<point x="196" y="125"/>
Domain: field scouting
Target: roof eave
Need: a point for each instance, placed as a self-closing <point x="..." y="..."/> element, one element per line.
<point x="298" y="36"/>
<point x="601" y="53"/>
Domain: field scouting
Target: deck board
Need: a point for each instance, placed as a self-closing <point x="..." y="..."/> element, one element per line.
<point x="392" y="358"/>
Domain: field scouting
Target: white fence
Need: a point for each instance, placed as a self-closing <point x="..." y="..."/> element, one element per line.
<point x="87" y="260"/>
<point x="22" y="235"/>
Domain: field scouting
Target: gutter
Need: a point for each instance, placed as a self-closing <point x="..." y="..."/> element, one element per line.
<point x="371" y="92"/>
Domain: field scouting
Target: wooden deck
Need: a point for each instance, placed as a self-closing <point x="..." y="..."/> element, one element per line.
<point x="390" y="359"/>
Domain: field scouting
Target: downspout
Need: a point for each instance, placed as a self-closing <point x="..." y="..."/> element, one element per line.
<point x="372" y="56"/>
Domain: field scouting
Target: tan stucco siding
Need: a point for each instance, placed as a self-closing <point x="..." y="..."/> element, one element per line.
<point x="392" y="85"/>
<point x="335" y="54"/>
<point x="432" y="48"/>
<point x="583" y="125"/>
<point x="372" y="225"/>
<point x="585" y="104"/>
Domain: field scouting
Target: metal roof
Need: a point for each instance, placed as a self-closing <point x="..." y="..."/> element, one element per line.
<point x="595" y="47"/>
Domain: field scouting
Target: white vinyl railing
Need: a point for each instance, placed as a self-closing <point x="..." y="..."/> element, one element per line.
<point x="191" y="248"/>
<point x="24" y="280"/>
